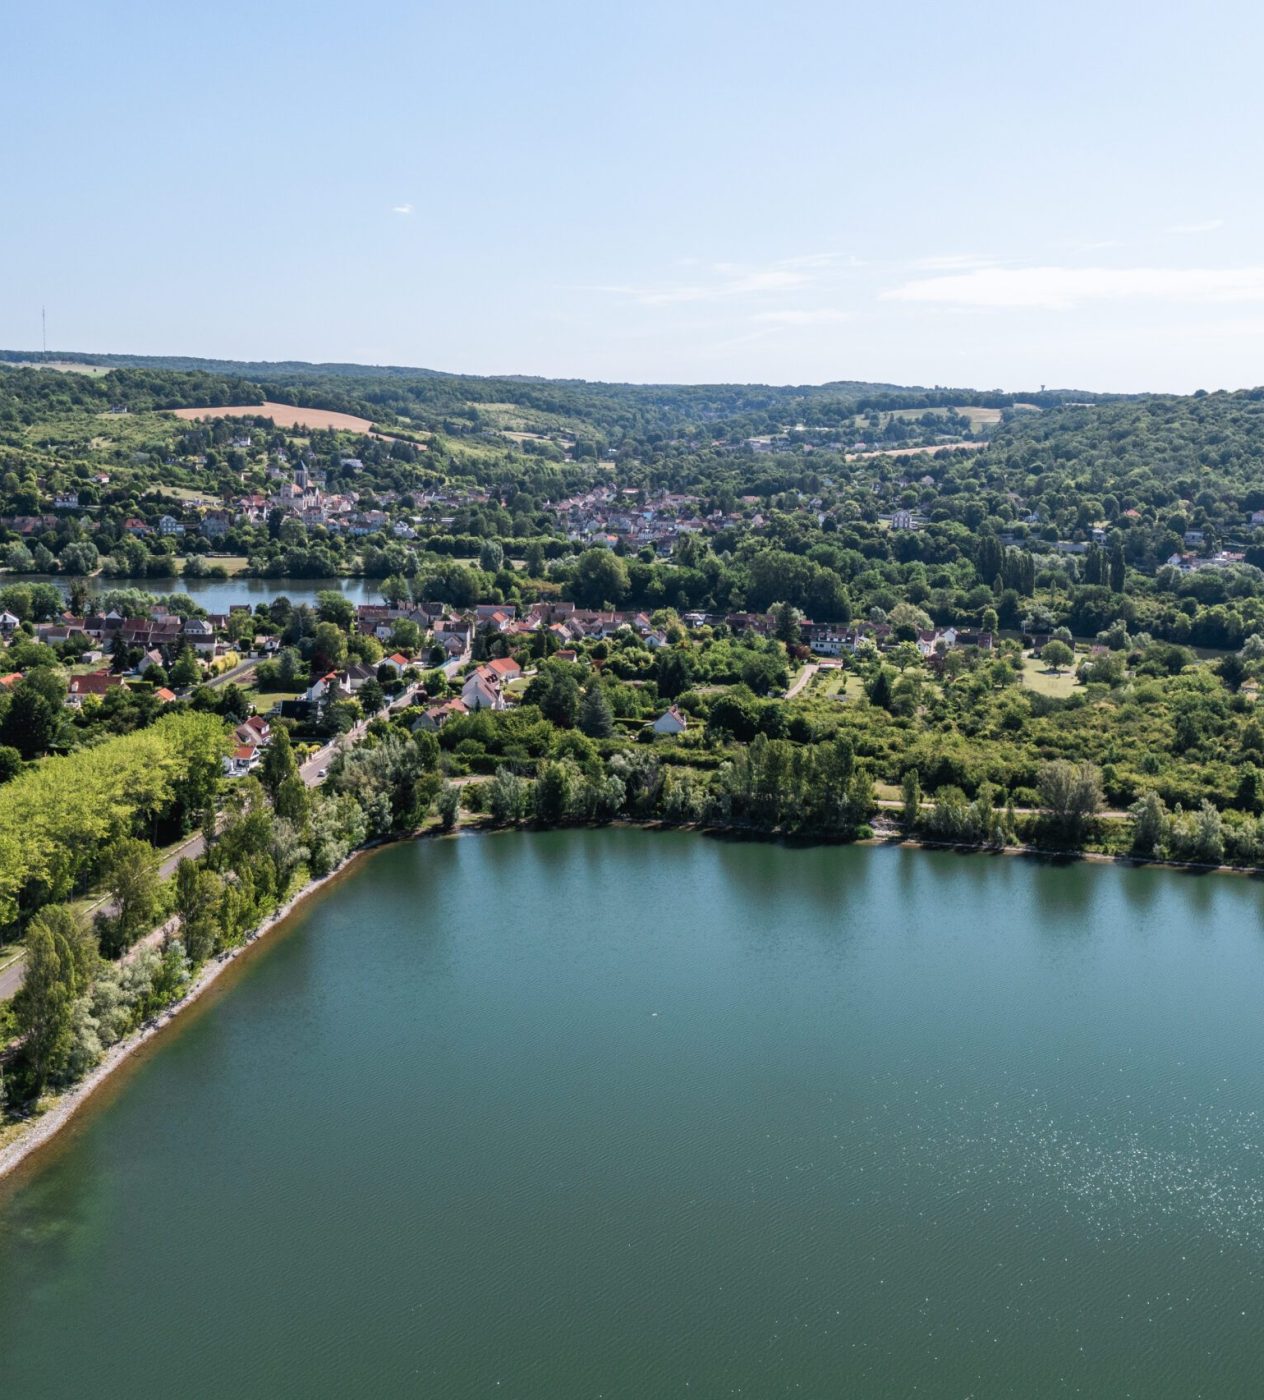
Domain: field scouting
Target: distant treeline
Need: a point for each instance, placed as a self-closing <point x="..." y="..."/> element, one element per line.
<point x="615" y="413"/>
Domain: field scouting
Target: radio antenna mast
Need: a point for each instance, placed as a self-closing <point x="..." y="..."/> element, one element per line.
<point x="44" y="325"/>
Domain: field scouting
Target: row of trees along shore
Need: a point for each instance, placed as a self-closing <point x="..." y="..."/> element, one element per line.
<point x="76" y="820"/>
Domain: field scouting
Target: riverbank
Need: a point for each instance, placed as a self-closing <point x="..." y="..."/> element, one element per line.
<point x="30" y="1135"/>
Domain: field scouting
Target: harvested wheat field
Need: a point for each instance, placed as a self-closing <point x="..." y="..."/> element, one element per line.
<point x="284" y="415"/>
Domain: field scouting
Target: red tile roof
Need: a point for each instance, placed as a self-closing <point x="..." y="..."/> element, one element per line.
<point x="95" y="683"/>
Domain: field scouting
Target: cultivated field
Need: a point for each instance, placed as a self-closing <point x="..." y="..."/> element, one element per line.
<point x="284" y="415"/>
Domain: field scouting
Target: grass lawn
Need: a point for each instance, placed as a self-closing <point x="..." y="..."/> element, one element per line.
<point x="1038" y="678"/>
<point x="832" y="681"/>
<point x="186" y="493"/>
<point x="263" y="700"/>
<point x="234" y="563"/>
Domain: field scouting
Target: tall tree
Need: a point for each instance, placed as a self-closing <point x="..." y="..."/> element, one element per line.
<point x="61" y="961"/>
<point x="131" y="876"/>
<point x="596" y="718"/>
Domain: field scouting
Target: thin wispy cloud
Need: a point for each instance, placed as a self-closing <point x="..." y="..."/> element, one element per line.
<point x="1205" y="226"/>
<point x="1061" y="288"/>
<point x="401" y="208"/>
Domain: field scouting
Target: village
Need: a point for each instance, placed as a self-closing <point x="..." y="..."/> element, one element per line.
<point x="446" y="661"/>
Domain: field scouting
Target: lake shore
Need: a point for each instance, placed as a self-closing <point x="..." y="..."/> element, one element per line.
<point x="40" y="1129"/>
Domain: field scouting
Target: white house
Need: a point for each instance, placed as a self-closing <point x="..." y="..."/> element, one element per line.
<point x="331" y="684"/>
<point x="397" y="661"/>
<point x="671" y="721"/>
<point x="482" y="692"/>
<point x="200" y="635"/>
<point x="827" y="639"/>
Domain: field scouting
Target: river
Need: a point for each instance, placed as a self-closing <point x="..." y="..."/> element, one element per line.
<point x="626" y="1114"/>
<point x="220" y="594"/>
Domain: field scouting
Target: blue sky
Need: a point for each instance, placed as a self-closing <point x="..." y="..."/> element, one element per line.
<point x="983" y="194"/>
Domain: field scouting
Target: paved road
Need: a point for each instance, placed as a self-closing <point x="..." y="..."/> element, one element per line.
<point x="313" y="770"/>
<point x="11" y="977"/>
<point x="10" y="980"/>
<point x="236" y="673"/>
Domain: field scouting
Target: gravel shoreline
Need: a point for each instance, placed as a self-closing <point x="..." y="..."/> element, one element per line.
<point x="43" y="1128"/>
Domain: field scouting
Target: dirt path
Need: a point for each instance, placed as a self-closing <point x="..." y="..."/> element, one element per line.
<point x="802" y="679"/>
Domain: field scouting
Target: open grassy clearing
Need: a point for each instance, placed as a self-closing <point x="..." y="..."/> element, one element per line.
<point x="64" y="367"/>
<point x="88" y="433"/>
<point x="234" y="563"/>
<point x="1038" y="677"/>
<point x="187" y="493"/>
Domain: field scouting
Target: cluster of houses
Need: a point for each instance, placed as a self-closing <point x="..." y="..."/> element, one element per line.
<point x="162" y="635"/>
<point x="608" y="515"/>
<point x="831" y="639"/>
<point x="1192" y="563"/>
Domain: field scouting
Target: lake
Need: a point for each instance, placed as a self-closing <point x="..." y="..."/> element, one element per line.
<point x="219" y="594"/>
<point x="623" y="1114"/>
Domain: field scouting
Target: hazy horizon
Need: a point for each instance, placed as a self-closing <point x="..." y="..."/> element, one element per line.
<point x="69" y="357"/>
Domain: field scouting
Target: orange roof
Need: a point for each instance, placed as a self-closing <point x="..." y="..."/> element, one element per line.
<point x="11" y="679"/>
<point x="165" y="695"/>
<point x="503" y="665"/>
<point x="398" y="658"/>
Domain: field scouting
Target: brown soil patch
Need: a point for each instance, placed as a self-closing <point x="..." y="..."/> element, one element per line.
<point x="284" y="415"/>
